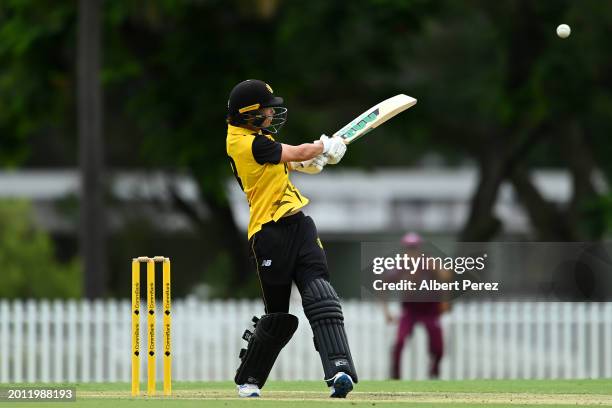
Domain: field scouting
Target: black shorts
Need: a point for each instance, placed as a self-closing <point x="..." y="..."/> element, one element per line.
<point x="283" y="252"/>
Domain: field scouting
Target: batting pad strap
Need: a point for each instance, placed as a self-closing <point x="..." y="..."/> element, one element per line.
<point x="324" y="312"/>
<point x="324" y="309"/>
<point x="271" y="334"/>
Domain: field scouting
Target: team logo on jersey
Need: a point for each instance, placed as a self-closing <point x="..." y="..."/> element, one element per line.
<point x="319" y="243"/>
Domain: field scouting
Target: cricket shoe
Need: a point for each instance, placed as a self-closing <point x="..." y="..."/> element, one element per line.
<point x="341" y="386"/>
<point x="248" y="390"/>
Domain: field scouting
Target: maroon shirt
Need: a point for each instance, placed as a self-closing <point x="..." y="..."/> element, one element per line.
<point x="414" y="306"/>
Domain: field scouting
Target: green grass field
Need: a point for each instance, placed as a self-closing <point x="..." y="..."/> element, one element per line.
<point x="388" y="394"/>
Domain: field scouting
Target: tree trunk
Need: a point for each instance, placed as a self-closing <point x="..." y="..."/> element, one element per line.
<point x="223" y="227"/>
<point x="506" y="148"/>
<point x="89" y="109"/>
<point x="482" y="225"/>
<point x="549" y="221"/>
<point x="582" y="212"/>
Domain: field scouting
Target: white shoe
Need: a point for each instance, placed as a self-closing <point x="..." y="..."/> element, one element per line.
<point x="342" y="385"/>
<point x="248" y="390"/>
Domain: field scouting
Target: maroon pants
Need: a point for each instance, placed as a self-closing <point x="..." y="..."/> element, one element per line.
<point x="411" y="315"/>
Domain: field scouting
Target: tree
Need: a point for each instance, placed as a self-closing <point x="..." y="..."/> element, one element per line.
<point x="92" y="237"/>
<point x="35" y="76"/>
<point x="507" y="87"/>
<point x="496" y="87"/>
<point x="29" y="268"/>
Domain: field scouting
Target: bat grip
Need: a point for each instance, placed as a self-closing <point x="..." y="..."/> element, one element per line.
<point x="306" y="163"/>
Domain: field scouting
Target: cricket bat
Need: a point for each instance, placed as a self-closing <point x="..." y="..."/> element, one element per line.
<point x="372" y="118"/>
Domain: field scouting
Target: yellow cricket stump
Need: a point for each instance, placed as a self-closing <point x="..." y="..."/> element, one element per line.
<point x="150" y="327"/>
<point x="151" y="322"/>
<point x="135" y="327"/>
<point x="167" y="329"/>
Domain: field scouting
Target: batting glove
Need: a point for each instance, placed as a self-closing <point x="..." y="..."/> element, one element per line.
<point x="336" y="150"/>
<point x="313" y="166"/>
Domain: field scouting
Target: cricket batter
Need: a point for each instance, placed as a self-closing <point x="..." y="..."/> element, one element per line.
<point x="284" y="243"/>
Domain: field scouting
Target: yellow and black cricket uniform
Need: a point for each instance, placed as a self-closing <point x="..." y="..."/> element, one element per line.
<point x="285" y="247"/>
<point x="282" y="248"/>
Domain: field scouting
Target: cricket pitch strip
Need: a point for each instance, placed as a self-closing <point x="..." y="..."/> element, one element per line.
<point x="382" y="397"/>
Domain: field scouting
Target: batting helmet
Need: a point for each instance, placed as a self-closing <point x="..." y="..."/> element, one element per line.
<point x="246" y="101"/>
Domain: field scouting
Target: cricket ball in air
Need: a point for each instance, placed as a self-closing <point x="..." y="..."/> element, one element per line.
<point x="563" y="31"/>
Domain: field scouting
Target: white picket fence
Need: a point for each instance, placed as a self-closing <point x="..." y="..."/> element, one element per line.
<point x="85" y="341"/>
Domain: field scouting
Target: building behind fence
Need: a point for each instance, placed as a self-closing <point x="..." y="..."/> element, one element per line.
<point x="86" y="341"/>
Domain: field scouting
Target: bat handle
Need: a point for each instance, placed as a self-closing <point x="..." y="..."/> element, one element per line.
<point x="300" y="165"/>
<point x="306" y="163"/>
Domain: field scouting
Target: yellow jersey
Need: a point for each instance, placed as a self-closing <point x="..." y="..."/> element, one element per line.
<point x="255" y="161"/>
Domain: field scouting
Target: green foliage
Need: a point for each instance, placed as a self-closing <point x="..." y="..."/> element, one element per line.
<point x="29" y="268"/>
<point x="172" y="65"/>
<point x="36" y="92"/>
<point x="485" y="74"/>
<point x="598" y="214"/>
<point x="169" y="65"/>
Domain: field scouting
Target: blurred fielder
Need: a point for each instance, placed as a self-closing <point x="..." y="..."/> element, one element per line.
<point x="284" y="243"/>
<point x="427" y="313"/>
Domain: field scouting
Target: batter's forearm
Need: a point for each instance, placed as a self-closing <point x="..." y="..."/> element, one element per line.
<point x="305" y="151"/>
